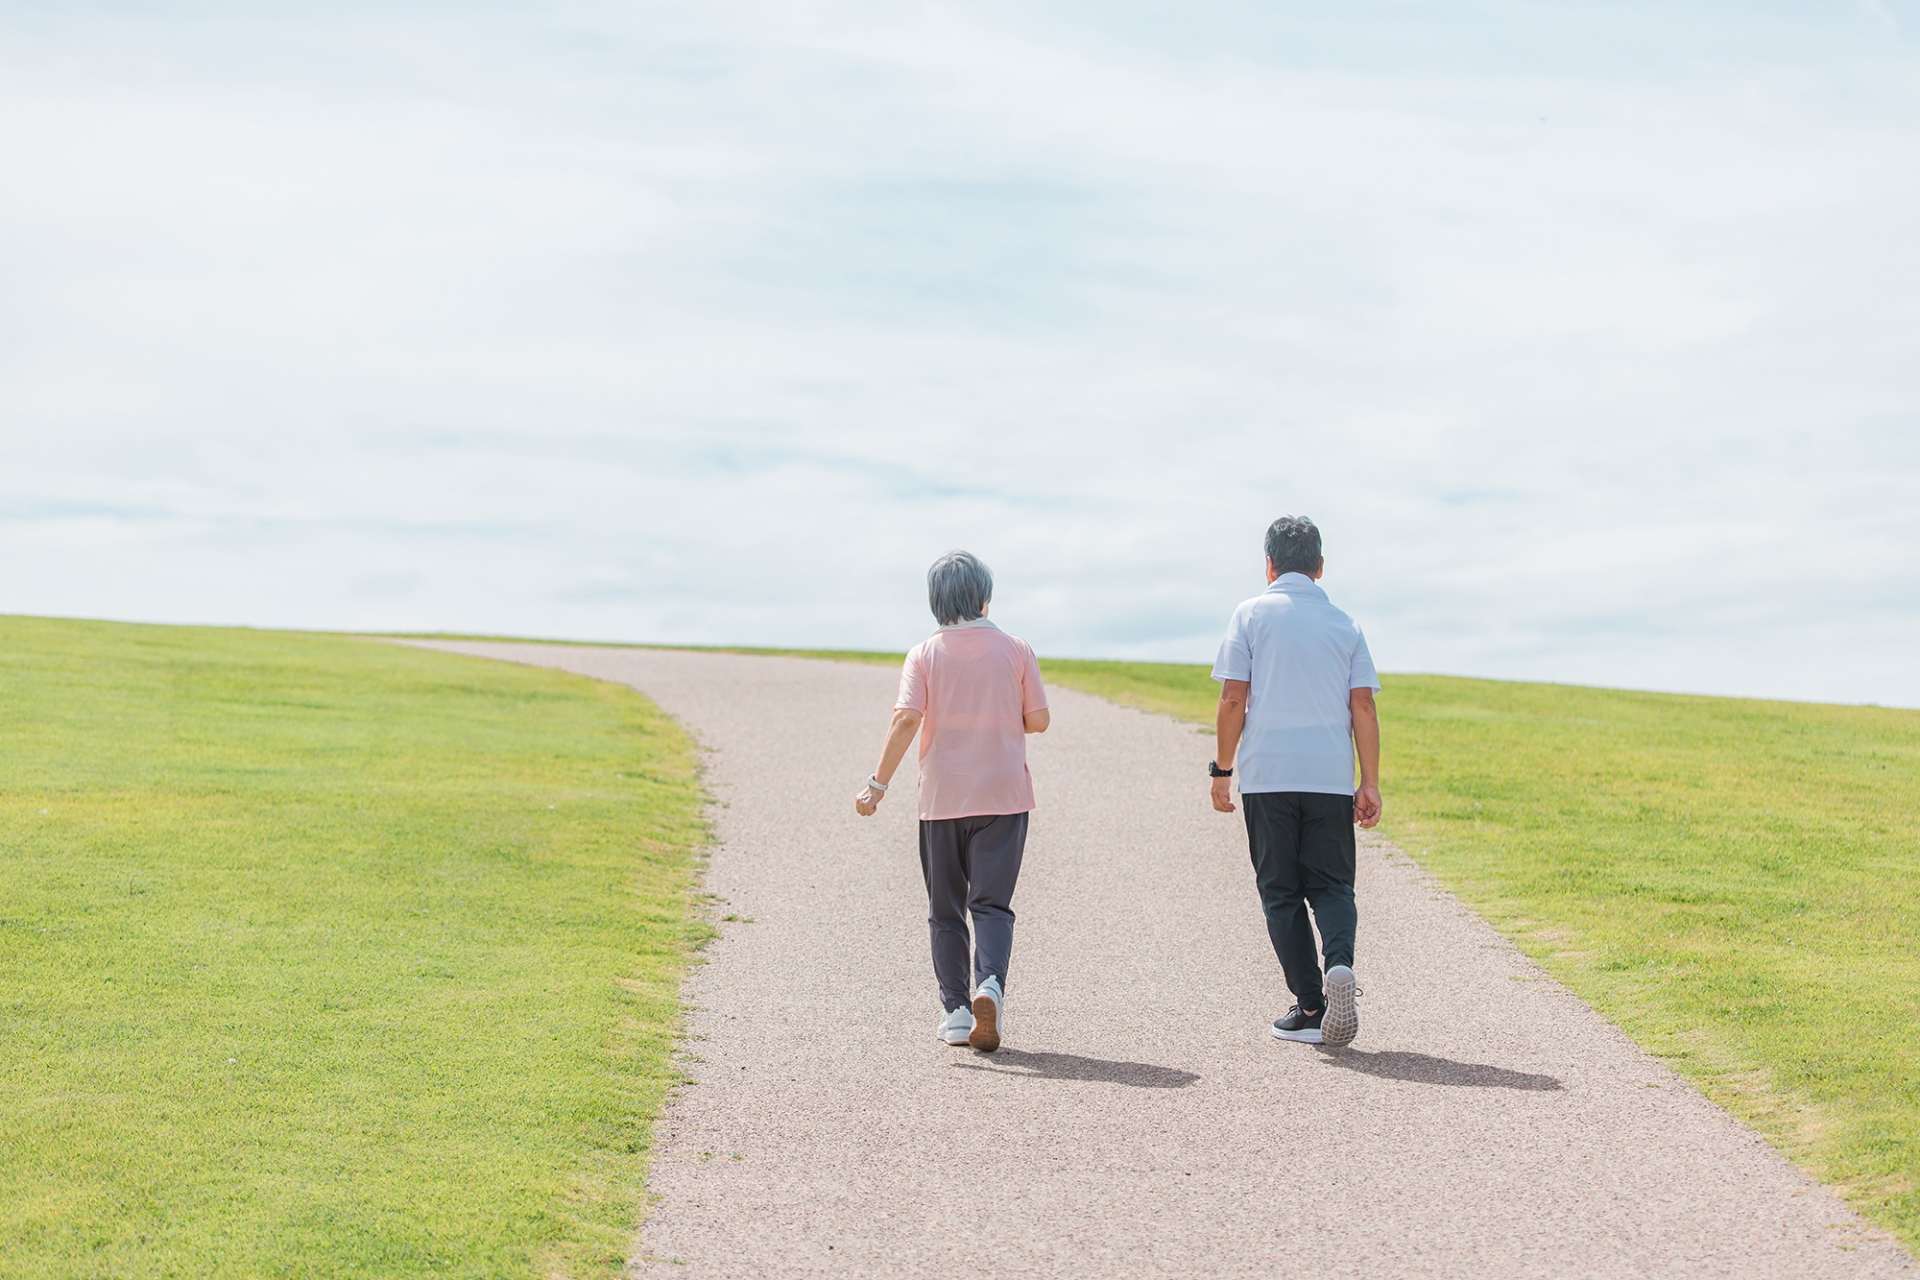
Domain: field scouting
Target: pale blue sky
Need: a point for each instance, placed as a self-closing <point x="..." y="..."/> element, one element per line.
<point x="1590" y="334"/>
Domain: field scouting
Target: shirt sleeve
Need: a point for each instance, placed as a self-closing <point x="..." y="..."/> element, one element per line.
<point x="1033" y="694"/>
<point x="1362" y="675"/>
<point x="913" y="682"/>
<point x="1235" y="660"/>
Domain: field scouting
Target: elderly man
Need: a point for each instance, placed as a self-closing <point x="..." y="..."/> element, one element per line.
<point x="1296" y="705"/>
<point x="976" y="693"/>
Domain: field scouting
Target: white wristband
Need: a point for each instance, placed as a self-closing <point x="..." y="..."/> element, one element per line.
<point x="875" y="783"/>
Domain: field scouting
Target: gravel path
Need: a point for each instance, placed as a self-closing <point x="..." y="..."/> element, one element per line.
<point x="1141" y="1121"/>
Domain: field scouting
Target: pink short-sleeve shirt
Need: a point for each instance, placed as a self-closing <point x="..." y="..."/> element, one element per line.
<point x="974" y="684"/>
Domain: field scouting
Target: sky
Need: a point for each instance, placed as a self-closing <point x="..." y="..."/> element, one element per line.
<point x="1588" y="333"/>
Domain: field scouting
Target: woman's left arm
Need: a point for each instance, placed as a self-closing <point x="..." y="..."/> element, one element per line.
<point x="1036" y="721"/>
<point x="905" y="723"/>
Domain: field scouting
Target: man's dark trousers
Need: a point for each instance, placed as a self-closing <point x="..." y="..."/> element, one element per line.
<point x="971" y="866"/>
<point x="1302" y="845"/>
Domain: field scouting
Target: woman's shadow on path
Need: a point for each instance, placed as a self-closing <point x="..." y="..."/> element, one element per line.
<point x="1421" y="1068"/>
<point x="1071" y="1066"/>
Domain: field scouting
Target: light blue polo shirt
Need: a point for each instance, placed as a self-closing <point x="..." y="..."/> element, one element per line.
<point x="1302" y="657"/>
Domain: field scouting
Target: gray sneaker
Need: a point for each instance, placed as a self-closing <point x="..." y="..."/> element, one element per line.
<point x="987" y="1009"/>
<point x="1341" y="1021"/>
<point x="956" y="1026"/>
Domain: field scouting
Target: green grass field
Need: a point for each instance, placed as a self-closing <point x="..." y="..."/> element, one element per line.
<point x="325" y="957"/>
<point x="1734" y="883"/>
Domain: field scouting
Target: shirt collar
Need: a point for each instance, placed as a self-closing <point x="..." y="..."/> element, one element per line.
<point x="971" y="622"/>
<point x="1296" y="584"/>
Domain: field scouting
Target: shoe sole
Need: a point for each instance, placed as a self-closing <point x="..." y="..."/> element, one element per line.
<point x="1341" y="1022"/>
<point x="986" y="1025"/>
<point x="1306" y="1035"/>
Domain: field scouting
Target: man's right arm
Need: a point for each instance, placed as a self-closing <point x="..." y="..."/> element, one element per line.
<point x="1366" y="745"/>
<point x="1229" y="722"/>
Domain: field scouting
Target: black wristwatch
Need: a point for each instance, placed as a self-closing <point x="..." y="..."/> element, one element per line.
<point x="1215" y="771"/>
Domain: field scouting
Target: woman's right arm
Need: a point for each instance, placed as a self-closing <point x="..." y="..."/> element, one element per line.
<point x="1032" y="690"/>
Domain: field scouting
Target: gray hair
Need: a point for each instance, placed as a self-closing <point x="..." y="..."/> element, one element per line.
<point x="958" y="587"/>
<point x="1293" y="544"/>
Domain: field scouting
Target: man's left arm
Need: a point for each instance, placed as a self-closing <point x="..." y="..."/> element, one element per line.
<point x="1233" y="668"/>
<point x="1366" y="745"/>
<point x="1229" y="723"/>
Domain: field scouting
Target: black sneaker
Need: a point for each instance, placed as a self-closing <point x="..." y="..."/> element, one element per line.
<point x="1304" y="1027"/>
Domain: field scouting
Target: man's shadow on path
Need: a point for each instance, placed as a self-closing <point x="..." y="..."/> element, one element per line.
<point x="1421" y="1068"/>
<point x="1071" y="1066"/>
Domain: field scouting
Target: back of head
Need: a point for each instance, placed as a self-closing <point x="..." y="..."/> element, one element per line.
<point x="958" y="588"/>
<point x="1293" y="544"/>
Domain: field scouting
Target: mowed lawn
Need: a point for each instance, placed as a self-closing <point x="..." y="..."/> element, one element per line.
<point x="327" y="957"/>
<point x="1735" y="883"/>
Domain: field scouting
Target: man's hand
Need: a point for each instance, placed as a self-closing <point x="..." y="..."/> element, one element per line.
<point x="1366" y="805"/>
<point x="867" y="803"/>
<point x="1223" y="795"/>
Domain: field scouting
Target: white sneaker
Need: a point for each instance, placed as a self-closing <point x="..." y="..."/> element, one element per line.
<point x="956" y="1026"/>
<point x="986" y="1016"/>
<point x="1341" y="1022"/>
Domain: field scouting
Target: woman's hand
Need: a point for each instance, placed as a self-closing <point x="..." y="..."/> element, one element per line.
<point x="900" y="731"/>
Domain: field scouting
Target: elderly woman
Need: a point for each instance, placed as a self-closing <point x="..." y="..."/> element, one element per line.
<point x="976" y="693"/>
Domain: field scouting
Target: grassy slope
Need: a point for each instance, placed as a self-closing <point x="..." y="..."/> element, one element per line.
<point x="1735" y="883"/>
<point x="320" y="956"/>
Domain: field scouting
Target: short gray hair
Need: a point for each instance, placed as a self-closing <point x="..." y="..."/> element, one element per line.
<point x="1293" y="544"/>
<point x="958" y="587"/>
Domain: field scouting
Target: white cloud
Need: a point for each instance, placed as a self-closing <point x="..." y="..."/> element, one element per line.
<point x="1589" y="335"/>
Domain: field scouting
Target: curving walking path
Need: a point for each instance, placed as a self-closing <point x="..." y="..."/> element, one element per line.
<point x="1141" y="1121"/>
